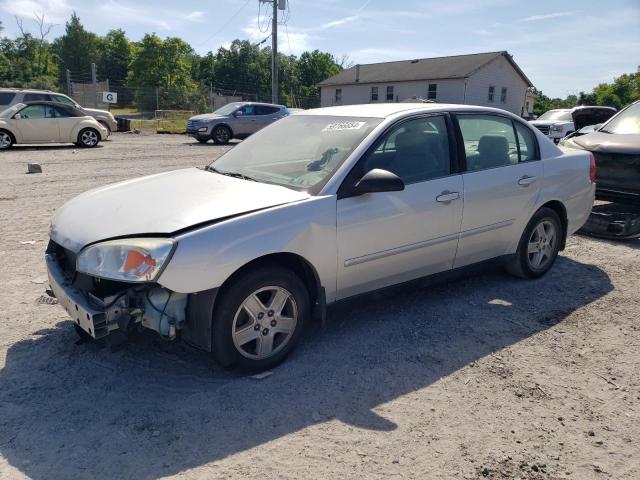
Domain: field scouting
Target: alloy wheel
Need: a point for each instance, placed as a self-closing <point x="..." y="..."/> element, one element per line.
<point x="89" y="138"/>
<point x="5" y="140"/>
<point x="542" y="244"/>
<point x="264" y="323"/>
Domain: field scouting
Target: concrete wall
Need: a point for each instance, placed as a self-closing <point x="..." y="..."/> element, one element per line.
<point x="448" y="91"/>
<point x="498" y="73"/>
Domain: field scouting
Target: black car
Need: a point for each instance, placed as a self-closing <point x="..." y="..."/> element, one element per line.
<point x="616" y="148"/>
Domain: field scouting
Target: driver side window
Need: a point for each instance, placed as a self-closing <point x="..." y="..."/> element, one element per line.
<point x="415" y="150"/>
<point x="33" y="112"/>
<point x="248" y="110"/>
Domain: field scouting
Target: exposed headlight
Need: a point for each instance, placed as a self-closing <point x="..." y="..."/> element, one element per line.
<point x="202" y="129"/>
<point x="556" y="128"/>
<point x="129" y="260"/>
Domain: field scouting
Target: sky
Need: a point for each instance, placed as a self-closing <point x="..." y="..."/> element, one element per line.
<point x="563" y="47"/>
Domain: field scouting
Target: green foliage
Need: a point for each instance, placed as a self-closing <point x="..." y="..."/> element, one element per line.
<point x="77" y="49"/>
<point x="624" y="90"/>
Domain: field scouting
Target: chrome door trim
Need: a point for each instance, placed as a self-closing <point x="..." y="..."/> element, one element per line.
<point x="487" y="228"/>
<point x="350" y="262"/>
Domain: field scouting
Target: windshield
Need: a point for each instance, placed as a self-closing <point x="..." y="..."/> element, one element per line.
<point x="228" y="109"/>
<point x="11" y="111"/>
<point x="556" y="115"/>
<point x="300" y="151"/>
<point x="627" y="121"/>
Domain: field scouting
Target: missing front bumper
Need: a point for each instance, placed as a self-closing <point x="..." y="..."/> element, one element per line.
<point x="150" y="306"/>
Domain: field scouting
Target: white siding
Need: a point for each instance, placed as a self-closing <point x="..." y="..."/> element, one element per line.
<point x="498" y="73"/>
<point x="448" y="91"/>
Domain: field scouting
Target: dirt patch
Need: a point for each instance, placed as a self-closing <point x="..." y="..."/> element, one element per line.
<point x="487" y="377"/>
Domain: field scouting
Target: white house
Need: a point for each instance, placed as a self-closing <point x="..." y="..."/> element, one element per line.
<point x="491" y="79"/>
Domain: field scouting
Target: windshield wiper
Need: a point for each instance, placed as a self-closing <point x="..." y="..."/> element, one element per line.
<point x="230" y="174"/>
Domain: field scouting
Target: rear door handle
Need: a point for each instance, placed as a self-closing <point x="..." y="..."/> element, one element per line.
<point x="447" y="197"/>
<point x="526" y="180"/>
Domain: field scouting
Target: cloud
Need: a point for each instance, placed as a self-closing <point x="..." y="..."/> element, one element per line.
<point x="56" y="11"/>
<point x="337" y="23"/>
<point x="547" y="16"/>
<point x="195" y="16"/>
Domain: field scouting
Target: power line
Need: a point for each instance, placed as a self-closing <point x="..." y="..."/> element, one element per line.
<point x="225" y="24"/>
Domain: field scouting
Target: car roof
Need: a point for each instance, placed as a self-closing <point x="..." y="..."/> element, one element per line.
<point x="27" y="90"/>
<point x="384" y="110"/>
<point x="261" y="103"/>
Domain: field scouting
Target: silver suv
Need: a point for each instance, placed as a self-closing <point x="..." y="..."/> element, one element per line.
<point x="234" y="120"/>
<point x="11" y="96"/>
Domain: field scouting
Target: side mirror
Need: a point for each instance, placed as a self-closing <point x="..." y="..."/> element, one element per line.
<point x="378" y="180"/>
<point x="17" y="116"/>
<point x="238" y="113"/>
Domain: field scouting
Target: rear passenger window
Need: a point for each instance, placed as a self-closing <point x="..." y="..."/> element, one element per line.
<point x="416" y="150"/>
<point x="266" y="110"/>
<point x="36" y="97"/>
<point x="527" y="143"/>
<point x="489" y="141"/>
<point x="6" y="97"/>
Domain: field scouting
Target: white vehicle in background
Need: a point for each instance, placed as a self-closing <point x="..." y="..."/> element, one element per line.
<point x="48" y="122"/>
<point x="557" y="124"/>
<point x="315" y="208"/>
<point x="12" y="96"/>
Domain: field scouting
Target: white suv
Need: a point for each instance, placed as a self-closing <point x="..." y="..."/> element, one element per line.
<point x="11" y="96"/>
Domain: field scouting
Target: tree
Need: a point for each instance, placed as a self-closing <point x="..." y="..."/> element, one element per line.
<point x="77" y="49"/>
<point x="165" y="65"/>
<point x="314" y="67"/>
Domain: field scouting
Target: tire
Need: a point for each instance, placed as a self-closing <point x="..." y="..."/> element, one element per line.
<point x="248" y="331"/>
<point x="221" y="135"/>
<point x="544" y="234"/>
<point x="88" y="138"/>
<point x="6" y="140"/>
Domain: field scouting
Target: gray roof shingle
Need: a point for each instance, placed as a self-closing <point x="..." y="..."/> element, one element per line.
<point x="458" y="66"/>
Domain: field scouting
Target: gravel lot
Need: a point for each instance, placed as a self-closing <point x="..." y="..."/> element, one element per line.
<point x="487" y="377"/>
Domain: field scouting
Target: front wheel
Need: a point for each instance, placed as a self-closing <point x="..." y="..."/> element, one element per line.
<point x="88" y="138"/>
<point x="539" y="245"/>
<point x="260" y="318"/>
<point x="221" y="135"/>
<point x="6" y="140"/>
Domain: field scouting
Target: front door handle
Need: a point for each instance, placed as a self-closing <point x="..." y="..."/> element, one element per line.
<point x="526" y="180"/>
<point x="447" y="197"/>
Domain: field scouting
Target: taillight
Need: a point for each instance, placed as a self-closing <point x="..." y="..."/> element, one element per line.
<point x="592" y="169"/>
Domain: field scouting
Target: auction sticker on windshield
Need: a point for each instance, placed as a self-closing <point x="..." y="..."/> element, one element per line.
<point x="337" y="126"/>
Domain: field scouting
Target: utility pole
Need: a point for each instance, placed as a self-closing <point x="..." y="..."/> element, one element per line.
<point x="69" y="92"/>
<point x="274" y="53"/>
<point x="94" y="81"/>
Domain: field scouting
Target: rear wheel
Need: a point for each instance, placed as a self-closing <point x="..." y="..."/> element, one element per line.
<point x="88" y="138"/>
<point x="260" y="318"/>
<point x="539" y="245"/>
<point x="221" y="135"/>
<point x="6" y="140"/>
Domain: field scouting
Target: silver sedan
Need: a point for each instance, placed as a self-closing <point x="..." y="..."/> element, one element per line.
<point x="236" y="258"/>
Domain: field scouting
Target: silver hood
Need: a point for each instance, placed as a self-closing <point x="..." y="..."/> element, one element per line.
<point x="94" y="111"/>
<point x="160" y="205"/>
<point x="207" y="116"/>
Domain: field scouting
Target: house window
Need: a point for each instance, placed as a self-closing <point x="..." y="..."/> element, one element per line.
<point x="492" y="91"/>
<point x="433" y="91"/>
<point x="374" y="94"/>
<point x="390" y="93"/>
<point x="503" y="95"/>
<point x="338" y="95"/>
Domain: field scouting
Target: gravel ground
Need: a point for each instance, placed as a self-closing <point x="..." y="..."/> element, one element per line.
<point x="487" y="377"/>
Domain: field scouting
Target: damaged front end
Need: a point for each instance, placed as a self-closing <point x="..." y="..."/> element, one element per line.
<point x="100" y="306"/>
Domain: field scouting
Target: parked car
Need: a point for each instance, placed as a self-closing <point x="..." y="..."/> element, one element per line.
<point x="12" y="96"/>
<point x="559" y="123"/>
<point x="616" y="148"/>
<point x="318" y="207"/>
<point x="48" y="122"/>
<point x="234" y="120"/>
